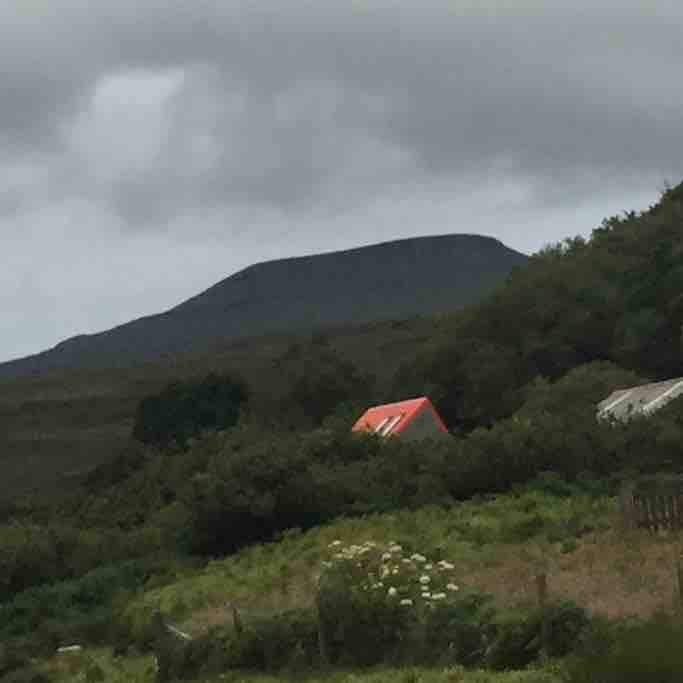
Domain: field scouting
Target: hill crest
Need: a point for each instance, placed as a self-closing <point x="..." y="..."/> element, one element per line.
<point x="390" y="280"/>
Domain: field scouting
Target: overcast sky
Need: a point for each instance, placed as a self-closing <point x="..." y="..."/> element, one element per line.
<point x="149" y="149"/>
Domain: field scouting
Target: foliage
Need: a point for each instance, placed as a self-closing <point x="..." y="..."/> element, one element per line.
<point x="378" y="604"/>
<point x="186" y="408"/>
<point x="614" y="297"/>
<point x="33" y="554"/>
<point x="140" y="669"/>
<point x="82" y="610"/>
<point x="318" y="382"/>
<point x="638" y="653"/>
<point x="521" y="637"/>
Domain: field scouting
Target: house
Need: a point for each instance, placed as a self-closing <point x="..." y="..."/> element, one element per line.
<point x="641" y="400"/>
<point x="413" y="419"/>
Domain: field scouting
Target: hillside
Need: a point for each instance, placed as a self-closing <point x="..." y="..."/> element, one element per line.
<point x="58" y="425"/>
<point x="393" y="280"/>
<point x="527" y="486"/>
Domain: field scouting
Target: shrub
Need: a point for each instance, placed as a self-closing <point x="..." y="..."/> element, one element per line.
<point x="379" y="604"/>
<point x="647" y="652"/>
<point x="521" y="636"/>
<point x="185" y="409"/>
<point x="284" y="641"/>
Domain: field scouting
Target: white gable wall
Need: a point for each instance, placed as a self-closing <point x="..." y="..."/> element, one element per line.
<point x="423" y="426"/>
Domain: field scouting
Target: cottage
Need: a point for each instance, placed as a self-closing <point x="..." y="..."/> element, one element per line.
<point x="641" y="400"/>
<point x="413" y="419"/>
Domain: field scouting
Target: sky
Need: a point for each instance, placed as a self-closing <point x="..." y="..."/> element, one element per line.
<point x="150" y="149"/>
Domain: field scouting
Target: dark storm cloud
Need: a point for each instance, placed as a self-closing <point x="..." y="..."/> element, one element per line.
<point x="284" y="104"/>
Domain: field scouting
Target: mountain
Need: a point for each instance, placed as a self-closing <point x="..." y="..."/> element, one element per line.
<point x="392" y="280"/>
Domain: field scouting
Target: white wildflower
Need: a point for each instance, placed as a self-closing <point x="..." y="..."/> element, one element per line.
<point x="406" y="601"/>
<point x="405" y="560"/>
<point x="395" y="548"/>
<point x="334" y="544"/>
<point x="429" y="566"/>
<point x="418" y="558"/>
<point x="392" y="591"/>
<point x="426" y="595"/>
<point x="394" y="570"/>
<point x="452" y="587"/>
<point x="446" y="565"/>
<point x="438" y="596"/>
<point x="424" y="579"/>
<point x="386" y="556"/>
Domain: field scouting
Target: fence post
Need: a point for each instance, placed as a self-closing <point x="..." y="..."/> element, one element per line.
<point x="542" y="594"/>
<point x="236" y="619"/>
<point x="626" y="505"/>
<point x="322" y="641"/>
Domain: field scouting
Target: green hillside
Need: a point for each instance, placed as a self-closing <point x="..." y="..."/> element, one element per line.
<point x="296" y="523"/>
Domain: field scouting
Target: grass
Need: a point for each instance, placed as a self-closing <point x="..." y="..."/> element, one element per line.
<point x="498" y="546"/>
<point x="74" y="668"/>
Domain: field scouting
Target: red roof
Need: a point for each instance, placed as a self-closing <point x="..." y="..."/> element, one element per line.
<point x="393" y="418"/>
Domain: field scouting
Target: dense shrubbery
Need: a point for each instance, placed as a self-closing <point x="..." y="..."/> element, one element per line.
<point x="32" y="554"/>
<point x="616" y="297"/>
<point x="318" y="382"/>
<point x="185" y="409"/>
<point x="251" y="490"/>
<point x="79" y="609"/>
<point x="247" y="484"/>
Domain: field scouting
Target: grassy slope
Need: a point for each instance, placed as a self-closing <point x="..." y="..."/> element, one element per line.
<point x="55" y="427"/>
<point x="498" y="546"/>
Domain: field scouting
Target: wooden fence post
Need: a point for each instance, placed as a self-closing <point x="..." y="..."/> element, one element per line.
<point x="322" y="641"/>
<point x="236" y="619"/>
<point x="542" y="594"/>
<point x="679" y="585"/>
<point x="627" y="507"/>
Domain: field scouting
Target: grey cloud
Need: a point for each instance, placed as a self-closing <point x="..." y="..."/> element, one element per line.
<point x="284" y="94"/>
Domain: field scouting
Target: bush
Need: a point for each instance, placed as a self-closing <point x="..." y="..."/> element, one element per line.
<point x="184" y="409"/>
<point x="284" y="641"/>
<point x="459" y="633"/>
<point x="522" y="636"/>
<point x="379" y="604"/>
<point x="647" y="652"/>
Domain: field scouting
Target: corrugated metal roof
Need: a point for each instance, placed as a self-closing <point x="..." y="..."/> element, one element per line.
<point x="641" y="400"/>
<point x="393" y="418"/>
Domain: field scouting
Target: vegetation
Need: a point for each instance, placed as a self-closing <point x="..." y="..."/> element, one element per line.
<point x="238" y="490"/>
<point x="185" y="409"/>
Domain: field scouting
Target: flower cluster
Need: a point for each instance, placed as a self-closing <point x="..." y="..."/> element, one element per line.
<point x="386" y="570"/>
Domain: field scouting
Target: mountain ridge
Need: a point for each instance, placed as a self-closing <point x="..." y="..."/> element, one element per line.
<point x="392" y="279"/>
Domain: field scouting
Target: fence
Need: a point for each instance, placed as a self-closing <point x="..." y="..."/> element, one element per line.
<point x="655" y="510"/>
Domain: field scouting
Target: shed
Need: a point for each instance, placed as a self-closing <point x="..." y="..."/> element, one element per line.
<point x="415" y="418"/>
<point x="641" y="400"/>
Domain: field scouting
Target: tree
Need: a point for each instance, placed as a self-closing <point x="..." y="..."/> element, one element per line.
<point x="185" y="409"/>
<point x="318" y="381"/>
